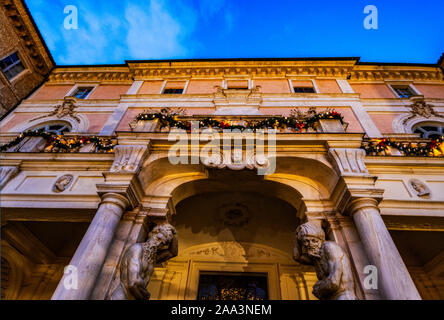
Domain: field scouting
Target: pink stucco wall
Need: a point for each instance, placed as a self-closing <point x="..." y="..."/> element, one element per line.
<point x="16" y="119"/>
<point x="328" y="86"/>
<point x="373" y="90"/>
<point x="273" y="86"/>
<point x="109" y="91"/>
<point x="97" y="121"/>
<point x="384" y="122"/>
<point x="151" y="87"/>
<point x="203" y="86"/>
<point x="430" y="90"/>
<point x="51" y="92"/>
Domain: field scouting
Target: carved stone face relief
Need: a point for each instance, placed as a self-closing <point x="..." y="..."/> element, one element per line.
<point x="419" y="187"/>
<point x="62" y="183"/>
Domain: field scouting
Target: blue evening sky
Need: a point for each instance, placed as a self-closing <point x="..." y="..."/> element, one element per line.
<point x="112" y="31"/>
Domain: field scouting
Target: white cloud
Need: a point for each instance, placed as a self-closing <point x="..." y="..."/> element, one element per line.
<point x="155" y="32"/>
<point x="95" y="40"/>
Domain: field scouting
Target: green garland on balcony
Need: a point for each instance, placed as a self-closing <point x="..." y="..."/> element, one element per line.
<point x="434" y="148"/>
<point x="298" y="122"/>
<point x="61" y="143"/>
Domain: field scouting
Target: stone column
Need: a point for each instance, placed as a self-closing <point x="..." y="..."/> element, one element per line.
<point x="393" y="277"/>
<point x="90" y="255"/>
<point x="123" y="238"/>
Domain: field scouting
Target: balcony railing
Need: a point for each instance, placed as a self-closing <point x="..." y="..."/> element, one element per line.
<point x="403" y="147"/>
<point x="297" y="122"/>
<point x="40" y="141"/>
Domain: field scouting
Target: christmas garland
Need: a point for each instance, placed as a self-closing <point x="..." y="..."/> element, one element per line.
<point x="434" y="148"/>
<point x="60" y="143"/>
<point x="297" y="120"/>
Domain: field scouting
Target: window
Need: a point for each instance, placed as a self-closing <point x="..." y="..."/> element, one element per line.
<point x="173" y="91"/>
<point x="403" y="91"/>
<point x="238" y="88"/>
<point x="82" y="92"/>
<point x="430" y="130"/>
<point x="304" y="90"/>
<point x="56" y="128"/>
<point x="232" y="286"/>
<point x="11" y="66"/>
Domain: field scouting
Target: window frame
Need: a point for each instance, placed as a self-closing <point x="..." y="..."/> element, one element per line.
<point x="164" y="91"/>
<point x="314" y="86"/>
<point x="438" y="124"/>
<point x="164" y="84"/>
<point x="19" y="61"/>
<point x="81" y="85"/>
<point x="412" y="88"/>
<point x="45" y="126"/>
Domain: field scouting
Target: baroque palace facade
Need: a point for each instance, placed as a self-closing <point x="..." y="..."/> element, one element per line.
<point x="356" y="148"/>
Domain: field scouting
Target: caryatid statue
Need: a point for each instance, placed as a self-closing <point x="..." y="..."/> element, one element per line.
<point x="332" y="265"/>
<point x="139" y="260"/>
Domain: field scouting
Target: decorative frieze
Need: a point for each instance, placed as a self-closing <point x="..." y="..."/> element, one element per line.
<point x="360" y="73"/>
<point x="121" y="75"/>
<point x="236" y="161"/>
<point x="232" y="250"/>
<point x="345" y="69"/>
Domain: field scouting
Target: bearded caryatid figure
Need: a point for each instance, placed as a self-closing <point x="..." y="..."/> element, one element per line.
<point x="332" y="265"/>
<point x="138" y="263"/>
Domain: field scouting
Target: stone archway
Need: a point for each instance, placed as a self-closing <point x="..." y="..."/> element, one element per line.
<point x="263" y="213"/>
<point x="296" y="180"/>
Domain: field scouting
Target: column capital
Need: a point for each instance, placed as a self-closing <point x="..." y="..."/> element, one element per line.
<point x="362" y="203"/>
<point x="126" y="185"/>
<point x="352" y="196"/>
<point x="116" y="199"/>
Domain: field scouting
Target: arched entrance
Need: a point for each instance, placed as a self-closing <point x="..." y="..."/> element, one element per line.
<point x="232" y="225"/>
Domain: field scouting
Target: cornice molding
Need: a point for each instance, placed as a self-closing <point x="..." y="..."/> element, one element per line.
<point x="382" y="73"/>
<point x="97" y="74"/>
<point x="175" y="70"/>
